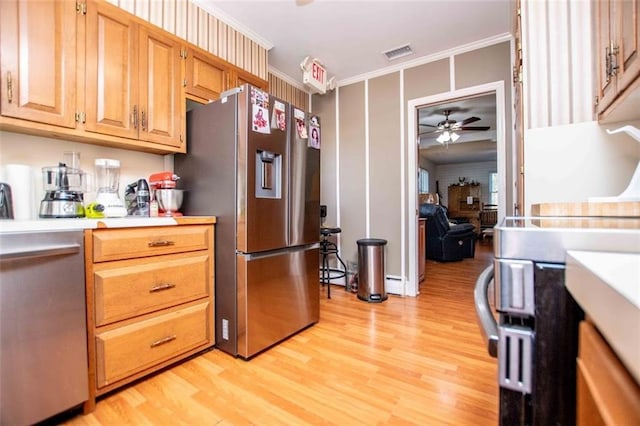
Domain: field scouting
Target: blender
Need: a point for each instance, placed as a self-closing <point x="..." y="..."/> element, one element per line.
<point x="64" y="192"/>
<point x="107" y="183"/>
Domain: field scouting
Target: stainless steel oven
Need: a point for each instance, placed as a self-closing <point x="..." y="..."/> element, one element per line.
<point x="532" y="325"/>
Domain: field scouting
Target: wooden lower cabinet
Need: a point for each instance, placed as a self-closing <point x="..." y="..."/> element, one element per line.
<point x="150" y="300"/>
<point x="131" y="348"/>
<point x="422" y="248"/>
<point x="606" y="393"/>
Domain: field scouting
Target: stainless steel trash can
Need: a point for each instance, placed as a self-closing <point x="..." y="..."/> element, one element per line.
<point x="371" y="274"/>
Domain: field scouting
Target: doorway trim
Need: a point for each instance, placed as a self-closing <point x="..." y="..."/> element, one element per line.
<point x="497" y="87"/>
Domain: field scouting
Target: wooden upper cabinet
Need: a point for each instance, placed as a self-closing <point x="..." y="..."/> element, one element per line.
<point x="604" y="38"/>
<point x="133" y="78"/>
<point x="239" y="77"/>
<point x="618" y="43"/>
<point x="38" y="61"/>
<point x="206" y="76"/>
<point x="111" y="71"/>
<point x="160" y="102"/>
<point x="629" y="38"/>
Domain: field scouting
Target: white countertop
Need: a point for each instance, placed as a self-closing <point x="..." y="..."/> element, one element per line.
<point x="607" y="287"/>
<point x="82" y="223"/>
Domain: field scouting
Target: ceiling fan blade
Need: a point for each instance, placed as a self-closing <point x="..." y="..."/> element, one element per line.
<point x="426" y="132"/>
<point x="428" y="125"/>
<point x="469" y="121"/>
<point x="474" y="128"/>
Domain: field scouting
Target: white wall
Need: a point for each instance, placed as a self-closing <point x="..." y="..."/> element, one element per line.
<point x="448" y="174"/>
<point x="568" y="157"/>
<point x="38" y="152"/>
<point x="573" y="162"/>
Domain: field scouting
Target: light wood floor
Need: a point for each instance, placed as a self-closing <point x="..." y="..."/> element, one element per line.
<point x="407" y="361"/>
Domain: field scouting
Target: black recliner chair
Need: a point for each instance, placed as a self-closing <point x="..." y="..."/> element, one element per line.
<point x="446" y="242"/>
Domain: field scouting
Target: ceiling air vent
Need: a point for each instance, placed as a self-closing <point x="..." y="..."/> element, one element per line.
<point x="398" y="52"/>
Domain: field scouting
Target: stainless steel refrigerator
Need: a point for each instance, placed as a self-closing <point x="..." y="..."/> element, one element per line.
<point x="247" y="164"/>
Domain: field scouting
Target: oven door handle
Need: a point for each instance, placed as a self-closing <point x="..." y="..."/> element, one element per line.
<point x="488" y="324"/>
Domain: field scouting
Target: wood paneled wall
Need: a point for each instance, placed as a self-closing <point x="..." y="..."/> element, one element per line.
<point x="191" y="23"/>
<point x="285" y="91"/>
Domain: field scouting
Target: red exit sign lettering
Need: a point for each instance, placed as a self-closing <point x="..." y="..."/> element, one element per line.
<point x="318" y="73"/>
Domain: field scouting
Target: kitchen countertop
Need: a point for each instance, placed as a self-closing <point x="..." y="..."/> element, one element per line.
<point x="84" y="223"/>
<point x="607" y="287"/>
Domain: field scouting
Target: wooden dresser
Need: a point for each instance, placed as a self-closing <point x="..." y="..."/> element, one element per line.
<point x="150" y="300"/>
<point x="460" y="208"/>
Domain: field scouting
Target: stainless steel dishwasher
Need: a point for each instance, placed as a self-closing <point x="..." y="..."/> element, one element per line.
<point x="43" y="332"/>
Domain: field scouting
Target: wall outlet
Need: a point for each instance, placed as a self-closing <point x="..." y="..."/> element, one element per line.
<point x="225" y="329"/>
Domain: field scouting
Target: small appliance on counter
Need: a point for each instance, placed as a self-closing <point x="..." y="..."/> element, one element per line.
<point x="107" y="184"/>
<point x="6" y="202"/>
<point x="138" y="198"/>
<point x="169" y="198"/>
<point x="64" y="188"/>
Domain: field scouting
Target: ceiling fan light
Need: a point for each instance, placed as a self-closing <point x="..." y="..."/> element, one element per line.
<point x="444" y="137"/>
<point x="454" y="137"/>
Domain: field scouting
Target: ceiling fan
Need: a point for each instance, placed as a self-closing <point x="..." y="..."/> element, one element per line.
<point x="449" y="129"/>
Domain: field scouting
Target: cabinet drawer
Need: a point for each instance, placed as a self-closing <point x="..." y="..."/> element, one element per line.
<point x="124" y="289"/>
<point x="607" y="394"/>
<point x="127" y="350"/>
<point x="116" y="244"/>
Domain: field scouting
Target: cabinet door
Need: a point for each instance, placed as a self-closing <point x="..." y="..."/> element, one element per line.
<point x="629" y="37"/>
<point x="604" y="38"/>
<point x="518" y="122"/>
<point x="161" y="106"/>
<point x="38" y="61"/>
<point x="111" y="72"/>
<point x="205" y="76"/>
<point x="239" y="77"/>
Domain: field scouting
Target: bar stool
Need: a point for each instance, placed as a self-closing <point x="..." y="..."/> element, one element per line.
<point x="328" y="248"/>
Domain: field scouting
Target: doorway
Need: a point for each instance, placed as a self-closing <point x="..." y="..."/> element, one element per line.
<point x="439" y="104"/>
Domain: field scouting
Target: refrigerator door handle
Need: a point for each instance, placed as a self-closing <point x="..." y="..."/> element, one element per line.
<point x="271" y="253"/>
<point x="488" y="324"/>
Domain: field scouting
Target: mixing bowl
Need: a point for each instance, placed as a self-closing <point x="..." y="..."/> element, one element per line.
<point x="169" y="200"/>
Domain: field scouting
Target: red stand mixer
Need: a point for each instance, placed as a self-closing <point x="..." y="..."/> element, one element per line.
<point x="163" y="187"/>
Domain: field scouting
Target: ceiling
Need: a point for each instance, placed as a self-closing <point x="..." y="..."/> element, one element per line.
<point x="349" y="38"/>
<point x="472" y="146"/>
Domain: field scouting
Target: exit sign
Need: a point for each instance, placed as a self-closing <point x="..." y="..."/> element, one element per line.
<point x="316" y="77"/>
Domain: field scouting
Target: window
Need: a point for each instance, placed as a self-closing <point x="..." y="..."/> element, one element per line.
<point x="423" y="181"/>
<point x="493" y="188"/>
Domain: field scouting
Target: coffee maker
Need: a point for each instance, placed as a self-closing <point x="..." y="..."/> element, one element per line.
<point x="6" y="203"/>
<point x="138" y="198"/>
<point x="64" y="188"/>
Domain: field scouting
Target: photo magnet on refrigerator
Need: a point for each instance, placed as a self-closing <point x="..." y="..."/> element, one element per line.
<point x="279" y="118"/>
<point x="314" y="132"/>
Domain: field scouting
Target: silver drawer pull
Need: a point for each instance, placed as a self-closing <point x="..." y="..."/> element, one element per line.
<point x="161" y="287"/>
<point x="163" y="341"/>
<point x="161" y="243"/>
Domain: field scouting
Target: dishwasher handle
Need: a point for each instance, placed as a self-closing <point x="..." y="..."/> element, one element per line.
<point x="488" y="324"/>
<point x="40" y="251"/>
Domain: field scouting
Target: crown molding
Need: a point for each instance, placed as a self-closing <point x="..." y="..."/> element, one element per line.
<point x="286" y="78"/>
<point x="233" y="23"/>
<point x="489" y="41"/>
